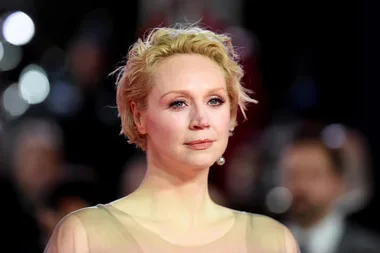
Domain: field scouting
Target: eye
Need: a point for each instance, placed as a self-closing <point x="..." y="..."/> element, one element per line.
<point x="177" y="104"/>
<point x="216" y="101"/>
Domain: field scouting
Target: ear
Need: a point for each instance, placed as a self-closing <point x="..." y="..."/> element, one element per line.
<point x="233" y="120"/>
<point x="138" y="119"/>
<point x="232" y="126"/>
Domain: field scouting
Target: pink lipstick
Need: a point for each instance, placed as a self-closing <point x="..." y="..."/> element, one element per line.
<point x="199" y="144"/>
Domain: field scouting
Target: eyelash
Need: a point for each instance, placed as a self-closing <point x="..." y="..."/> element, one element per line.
<point x="175" y="103"/>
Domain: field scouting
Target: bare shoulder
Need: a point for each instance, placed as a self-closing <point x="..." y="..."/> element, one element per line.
<point x="268" y="230"/>
<point x="70" y="235"/>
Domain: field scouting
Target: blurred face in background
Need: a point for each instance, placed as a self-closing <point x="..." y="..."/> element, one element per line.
<point x="311" y="178"/>
<point x="37" y="166"/>
<point x="85" y="61"/>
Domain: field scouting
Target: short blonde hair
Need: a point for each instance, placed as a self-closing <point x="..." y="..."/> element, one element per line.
<point x="134" y="79"/>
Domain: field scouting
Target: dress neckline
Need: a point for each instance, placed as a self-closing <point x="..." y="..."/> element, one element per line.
<point x="158" y="237"/>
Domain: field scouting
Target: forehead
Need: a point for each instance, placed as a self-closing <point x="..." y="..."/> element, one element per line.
<point x="190" y="72"/>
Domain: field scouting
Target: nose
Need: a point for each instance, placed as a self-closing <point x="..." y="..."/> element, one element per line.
<point x="199" y="119"/>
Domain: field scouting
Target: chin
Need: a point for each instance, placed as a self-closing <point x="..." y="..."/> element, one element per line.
<point x="201" y="161"/>
<point x="201" y="165"/>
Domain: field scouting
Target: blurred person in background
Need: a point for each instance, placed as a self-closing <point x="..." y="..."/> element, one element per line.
<point x="37" y="159"/>
<point x="358" y="175"/>
<point x="37" y="165"/>
<point x="34" y="149"/>
<point x="252" y="174"/>
<point x="313" y="171"/>
<point x="90" y="104"/>
<point x="178" y="98"/>
<point x="67" y="197"/>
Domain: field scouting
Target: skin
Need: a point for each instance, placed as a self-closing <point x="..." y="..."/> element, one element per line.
<point x="189" y="101"/>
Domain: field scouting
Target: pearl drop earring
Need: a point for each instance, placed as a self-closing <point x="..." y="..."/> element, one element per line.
<point x="220" y="161"/>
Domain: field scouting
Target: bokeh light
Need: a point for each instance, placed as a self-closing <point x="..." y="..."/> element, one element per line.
<point x="34" y="84"/>
<point x="10" y="56"/>
<point x="278" y="200"/>
<point x="1" y="50"/>
<point x="18" y="28"/>
<point x="13" y="104"/>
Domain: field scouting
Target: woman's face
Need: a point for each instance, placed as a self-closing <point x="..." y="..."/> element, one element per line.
<point x="187" y="119"/>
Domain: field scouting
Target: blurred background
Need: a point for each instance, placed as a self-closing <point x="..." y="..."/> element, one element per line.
<point x="307" y="156"/>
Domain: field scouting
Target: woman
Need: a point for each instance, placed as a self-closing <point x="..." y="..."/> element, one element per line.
<point x="178" y="99"/>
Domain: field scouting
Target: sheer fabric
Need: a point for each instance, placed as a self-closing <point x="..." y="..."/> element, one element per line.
<point x="105" y="229"/>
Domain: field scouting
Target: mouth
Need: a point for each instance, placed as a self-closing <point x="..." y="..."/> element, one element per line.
<point x="199" y="144"/>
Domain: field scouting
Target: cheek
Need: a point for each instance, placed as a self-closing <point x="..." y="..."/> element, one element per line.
<point x="164" y="126"/>
<point x="222" y="122"/>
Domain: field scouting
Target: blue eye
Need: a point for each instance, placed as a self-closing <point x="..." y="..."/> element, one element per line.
<point x="177" y="104"/>
<point x="216" y="101"/>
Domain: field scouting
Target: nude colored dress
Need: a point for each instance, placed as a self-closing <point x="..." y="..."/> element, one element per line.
<point x="109" y="230"/>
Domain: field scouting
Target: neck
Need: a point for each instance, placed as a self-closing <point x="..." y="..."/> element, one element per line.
<point x="176" y="197"/>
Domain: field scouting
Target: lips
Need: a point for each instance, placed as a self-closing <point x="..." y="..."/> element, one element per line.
<point x="200" y="144"/>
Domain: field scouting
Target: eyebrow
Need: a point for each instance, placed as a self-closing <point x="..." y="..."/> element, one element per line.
<point x="185" y="92"/>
